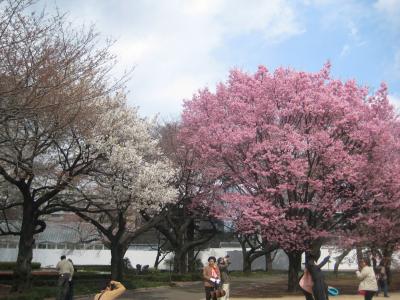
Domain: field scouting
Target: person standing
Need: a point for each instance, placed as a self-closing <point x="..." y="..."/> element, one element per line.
<point x="319" y="289"/>
<point x="382" y="279"/>
<point x="112" y="291"/>
<point x="306" y="284"/>
<point x="65" y="271"/>
<point x="368" y="285"/>
<point x="211" y="277"/>
<point x="70" y="293"/>
<point x="223" y="264"/>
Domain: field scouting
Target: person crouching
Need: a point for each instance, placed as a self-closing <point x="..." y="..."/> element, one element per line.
<point x="112" y="291"/>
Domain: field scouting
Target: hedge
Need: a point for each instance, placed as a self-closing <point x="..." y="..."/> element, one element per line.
<point x="10" y="265"/>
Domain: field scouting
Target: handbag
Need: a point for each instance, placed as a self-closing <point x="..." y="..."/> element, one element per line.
<point x="362" y="292"/>
<point x="306" y="282"/>
<point x="217" y="293"/>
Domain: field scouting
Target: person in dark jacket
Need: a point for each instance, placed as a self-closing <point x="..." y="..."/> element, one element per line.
<point x="223" y="263"/>
<point x="382" y="279"/>
<point x="320" y="289"/>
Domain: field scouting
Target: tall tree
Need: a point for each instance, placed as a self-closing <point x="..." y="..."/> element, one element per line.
<point x="185" y="226"/>
<point x="54" y="85"/>
<point x="378" y="225"/>
<point x="287" y="148"/>
<point x="133" y="178"/>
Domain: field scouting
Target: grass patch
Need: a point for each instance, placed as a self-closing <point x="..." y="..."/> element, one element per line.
<point x="91" y="282"/>
<point x="10" y="265"/>
<point x="36" y="293"/>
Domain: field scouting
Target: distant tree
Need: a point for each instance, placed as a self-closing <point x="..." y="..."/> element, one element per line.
<point x="184" y="226"/>
<point x="163" y="249"/>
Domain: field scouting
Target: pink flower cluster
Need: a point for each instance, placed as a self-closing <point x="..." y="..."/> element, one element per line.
<point x="296" y="157"/>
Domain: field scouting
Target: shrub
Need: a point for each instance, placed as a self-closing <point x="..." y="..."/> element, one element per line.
<point x="10" y="265"/>
<point x="93" y="268"/>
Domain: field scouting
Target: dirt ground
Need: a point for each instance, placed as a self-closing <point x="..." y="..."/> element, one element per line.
<point x="252" y="288"/>
<point x="247" y="289"/>
<point x="340" y="297"/>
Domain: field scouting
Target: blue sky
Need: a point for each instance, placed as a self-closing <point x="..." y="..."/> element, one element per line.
<point x="178" y="47"/>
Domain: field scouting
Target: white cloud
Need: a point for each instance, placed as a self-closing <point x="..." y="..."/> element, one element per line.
<point x="395" y="100"/>
<point x="173" y="44"/>
<point x="345" y="50"/>
<point x="276" y="20"/>
<point x="390" y="9"/>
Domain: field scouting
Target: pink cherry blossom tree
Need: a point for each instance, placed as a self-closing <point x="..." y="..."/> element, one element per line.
<point x="378" y="225"/>
<point x="287" y="149"/>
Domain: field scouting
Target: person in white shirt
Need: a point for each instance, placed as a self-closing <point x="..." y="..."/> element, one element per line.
<point x="368" y="285"/>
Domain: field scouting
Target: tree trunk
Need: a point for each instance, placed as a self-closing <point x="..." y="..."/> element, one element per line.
<point x="246" y="258"/>
<point x="157" y="261"/>
<point x="190" y="254"/>
<point x="246" y="263"/>
<point x="268" y="262"/>
<point x="180" y="262"/>
<point x="339" y="260"/>
<point x="191" y="261"/>
<point x="22" y="271"/>
<point x="294" y="269"/>
<point x="117" y="261"/>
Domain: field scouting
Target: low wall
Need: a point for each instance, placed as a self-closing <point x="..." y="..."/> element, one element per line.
<point x="50" y="257"/>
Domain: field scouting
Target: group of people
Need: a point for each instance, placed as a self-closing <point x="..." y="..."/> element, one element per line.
<point x="216" y="277"/>
<point x="66" y="270"/>
<point x="372" y="280"/>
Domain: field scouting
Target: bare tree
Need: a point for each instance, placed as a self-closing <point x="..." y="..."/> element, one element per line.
<point x="54" y="86"/>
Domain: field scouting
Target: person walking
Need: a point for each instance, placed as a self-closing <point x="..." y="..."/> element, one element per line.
<point x="319" y="288"/>
<point x="368" y="285"/>
<point x="223" y="264"/>
<point x="65" y="271"/>
<point x="211" y="277"/>
<point x="112" y="291"/>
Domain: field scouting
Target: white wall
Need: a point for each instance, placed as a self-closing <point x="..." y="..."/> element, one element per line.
<point x="50" y="257"/>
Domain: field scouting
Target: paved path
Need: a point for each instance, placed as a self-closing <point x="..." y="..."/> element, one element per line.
<point x="194" y="291"/>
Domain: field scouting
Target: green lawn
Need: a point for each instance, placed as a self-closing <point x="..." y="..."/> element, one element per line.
<point x="89" y="282"/>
